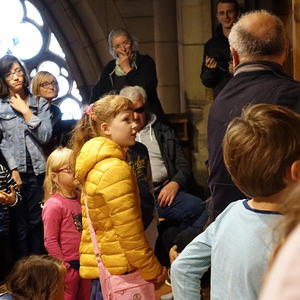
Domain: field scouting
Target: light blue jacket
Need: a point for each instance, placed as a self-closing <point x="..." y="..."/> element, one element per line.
<point x="237" y="246"/>
<point x="19" y="134"/>
<point x="5" y="296"/>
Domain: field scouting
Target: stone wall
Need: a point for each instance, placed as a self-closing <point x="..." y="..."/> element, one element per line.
<point x="173" y="32"/>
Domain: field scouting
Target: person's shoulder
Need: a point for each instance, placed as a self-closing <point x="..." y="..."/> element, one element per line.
<point x="138" y="148"/>
<point x="109" y="66"/>
<point x="217" y="36"/>
<point x="5" y="296"/>
<point x="3" y="169"/>
<point x="55" y="108"/>
<point x="162" y="125"/>
<point x="164" y="129"/>
<point x="143" y="58"/>
<point x="54" y="201"/>
<point x="210" y="41"/>
<point x="232" y="208"/>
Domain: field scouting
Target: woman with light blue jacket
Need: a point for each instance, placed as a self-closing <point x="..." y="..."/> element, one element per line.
<point x="26" y="125"/>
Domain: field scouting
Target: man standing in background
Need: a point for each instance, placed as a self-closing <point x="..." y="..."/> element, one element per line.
<point x="217" y="61"/>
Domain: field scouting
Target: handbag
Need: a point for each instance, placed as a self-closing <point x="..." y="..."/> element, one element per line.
<point x="129" y="286"/>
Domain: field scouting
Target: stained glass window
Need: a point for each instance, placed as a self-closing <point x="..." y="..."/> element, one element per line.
<point x="30" y="39"/>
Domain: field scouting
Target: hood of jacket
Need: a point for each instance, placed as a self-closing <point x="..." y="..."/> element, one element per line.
<point x="95" y="150"/>
<point x="147" y="131"/>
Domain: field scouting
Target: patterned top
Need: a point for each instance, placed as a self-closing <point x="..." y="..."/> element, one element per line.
<point x="5" y="182"/>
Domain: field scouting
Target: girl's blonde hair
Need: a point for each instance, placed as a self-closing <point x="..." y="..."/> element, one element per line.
<point x="40" y="78"/>
<point x="57" y="159"/>
<point x="103" y="110"/>
<point x="35" y="277"/>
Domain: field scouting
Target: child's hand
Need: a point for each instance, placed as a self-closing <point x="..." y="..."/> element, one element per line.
<point x="173" y="254"/>
<point x="17" y="178"/>
<point x="8" y="198"/>
<point x="162" y="276"/>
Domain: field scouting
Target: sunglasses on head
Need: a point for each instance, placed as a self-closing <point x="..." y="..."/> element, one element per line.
<point x="139" y="110"/>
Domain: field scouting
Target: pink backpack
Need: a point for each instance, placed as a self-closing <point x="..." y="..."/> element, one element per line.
<point x="130" y="286"/>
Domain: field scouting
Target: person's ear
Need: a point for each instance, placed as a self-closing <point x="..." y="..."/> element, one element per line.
<point x="287" y="49"/>
<point x="235" y="57"/>
<point x="105" y="129"/>
<point x="295" y="170"/>
<point x="54" y="176"/>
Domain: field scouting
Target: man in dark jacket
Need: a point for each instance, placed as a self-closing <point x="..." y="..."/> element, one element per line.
<point x="171" y="173"/>
<point x="259" y="47"/>
<point x="217" y="62"/>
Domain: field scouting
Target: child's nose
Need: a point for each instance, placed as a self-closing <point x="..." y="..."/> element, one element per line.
<point x="134" y="126"/>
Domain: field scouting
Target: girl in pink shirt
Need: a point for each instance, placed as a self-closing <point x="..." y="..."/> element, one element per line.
<point x="62" y="221"/>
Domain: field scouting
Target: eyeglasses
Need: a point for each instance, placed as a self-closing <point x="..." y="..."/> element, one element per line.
<point x="66" y="170"/>
<point x="139" y="110"/>
<point x="47" y="84"/>
<point x="122" y="45"/>
<point x="10" y="75"/>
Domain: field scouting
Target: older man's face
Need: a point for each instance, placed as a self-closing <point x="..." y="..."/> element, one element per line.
<point x="139" y="115"/>
<point x="226" y="14"/>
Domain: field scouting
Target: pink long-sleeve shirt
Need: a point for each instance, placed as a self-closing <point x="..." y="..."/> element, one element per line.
<point x="62" y="227"/>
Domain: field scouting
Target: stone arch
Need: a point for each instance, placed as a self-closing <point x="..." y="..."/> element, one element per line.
<point x="78" y="39"/>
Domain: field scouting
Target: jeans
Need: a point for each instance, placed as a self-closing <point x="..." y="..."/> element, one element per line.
<point x="96" y="293"/>
<point x="184" y="210"/>
<point x="27" y="215"/>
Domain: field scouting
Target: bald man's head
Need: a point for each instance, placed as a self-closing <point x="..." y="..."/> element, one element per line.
<point x="258" y="35"/>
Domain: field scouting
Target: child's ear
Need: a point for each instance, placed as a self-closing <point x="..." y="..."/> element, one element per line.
<point x="105" y="129"/>
<point x="295" y="170"/>
<point x="54" y="177"/>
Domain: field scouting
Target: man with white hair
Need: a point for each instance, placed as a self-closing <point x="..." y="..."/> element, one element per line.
<point x="171" y="172"/>
<point x="259" y="47"/>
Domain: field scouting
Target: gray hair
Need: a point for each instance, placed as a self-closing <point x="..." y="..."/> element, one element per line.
<point x="117" y="32"/>
<point x="247" y="44"/>
<point x="134" y="93"/>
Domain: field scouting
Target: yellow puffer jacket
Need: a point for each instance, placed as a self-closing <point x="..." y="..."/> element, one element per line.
<point x="114" y="208"/>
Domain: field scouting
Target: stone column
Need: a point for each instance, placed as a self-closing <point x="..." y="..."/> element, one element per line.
<point x="194" y="29"/>
<point x="166" y="54"/>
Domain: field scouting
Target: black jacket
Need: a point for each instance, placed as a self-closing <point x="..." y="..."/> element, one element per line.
<point x="144" y="75"/>
<point x="218" y="48"/>
<point x="138" y="159"/>
<point x="272" y="86"/>
<point x="177" y="166"/>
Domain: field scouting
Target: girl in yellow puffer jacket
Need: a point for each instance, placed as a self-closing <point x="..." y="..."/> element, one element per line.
<point x="99" y="143"/>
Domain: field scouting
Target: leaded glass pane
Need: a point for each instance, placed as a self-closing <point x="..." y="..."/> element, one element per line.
<point x="63" y="84"/>
<point x="30" y="39"/>
<point x="33" y="13"/>
<point x="55" y="47"/>
<point x="75" y="113"/>
<point x="50" y="66"/>
<point x="75" y="91"/>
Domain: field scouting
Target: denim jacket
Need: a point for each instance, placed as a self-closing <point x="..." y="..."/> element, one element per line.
<point x="19" y="134"/>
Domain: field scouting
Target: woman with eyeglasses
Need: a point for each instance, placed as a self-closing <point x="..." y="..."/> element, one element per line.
<point x="45" y="85"/>
<point x="128" y="68"/>
<point x="26" y="125"/>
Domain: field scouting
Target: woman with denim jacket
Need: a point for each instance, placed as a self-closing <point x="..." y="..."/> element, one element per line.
<point x="26" y="125"/>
